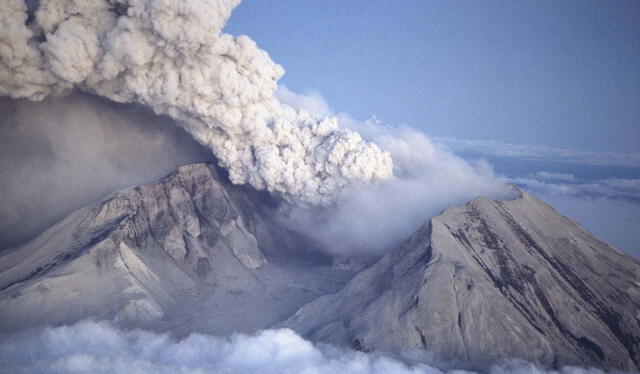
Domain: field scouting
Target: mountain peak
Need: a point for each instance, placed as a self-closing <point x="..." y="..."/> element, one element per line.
<point x="491" y="280"/>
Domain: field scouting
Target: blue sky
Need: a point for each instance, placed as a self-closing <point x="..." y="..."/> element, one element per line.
<point x="556" y="73"/>
<point x="547" y="91"/>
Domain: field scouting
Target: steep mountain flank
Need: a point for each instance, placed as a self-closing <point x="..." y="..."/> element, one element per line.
<point x="191" y="252"/>
<point x="491" y="280"/>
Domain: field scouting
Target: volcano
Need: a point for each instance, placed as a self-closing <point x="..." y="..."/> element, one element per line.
<point x="486" y="281"/>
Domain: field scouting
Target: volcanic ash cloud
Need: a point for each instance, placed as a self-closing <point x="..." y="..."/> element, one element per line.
<point x="170" y="55"/>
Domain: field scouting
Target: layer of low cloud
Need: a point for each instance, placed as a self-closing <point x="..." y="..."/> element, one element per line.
<point x="494" y="148"/>
<point x="613" y="188"/>
<point x="91" y="347"/>
<point x="551" y="176"/>
<point x="369" y="220"/>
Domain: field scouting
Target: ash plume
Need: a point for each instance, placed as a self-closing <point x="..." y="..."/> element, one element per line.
<point x="172" y="57"/>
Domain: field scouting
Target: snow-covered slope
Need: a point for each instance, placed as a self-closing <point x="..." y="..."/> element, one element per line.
<point x="491" y="280"/>
<point x="191" y="252"/>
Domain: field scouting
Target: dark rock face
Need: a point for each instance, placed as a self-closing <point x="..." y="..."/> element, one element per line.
<point x="488" y="281"/>
<point x="191" y="252"/>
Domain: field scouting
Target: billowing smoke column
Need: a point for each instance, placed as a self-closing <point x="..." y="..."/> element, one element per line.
<point x="171" y="56"/>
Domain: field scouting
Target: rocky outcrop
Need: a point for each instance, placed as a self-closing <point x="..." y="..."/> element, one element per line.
<point x="487" y="281"/>
<point x="191" y="252"/>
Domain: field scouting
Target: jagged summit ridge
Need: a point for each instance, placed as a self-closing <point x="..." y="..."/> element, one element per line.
<point x="189" y="253"/>
<point x="487" y="281"/>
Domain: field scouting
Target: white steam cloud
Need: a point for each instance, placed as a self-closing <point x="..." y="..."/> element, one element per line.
<point x="369" y="220"/>
<point x="89" y="347"/>
<point x="171" y="56"/>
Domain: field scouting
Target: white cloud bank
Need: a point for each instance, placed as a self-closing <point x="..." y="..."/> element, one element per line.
<point x="98" y="348"/>
<point x="538" y="152"/>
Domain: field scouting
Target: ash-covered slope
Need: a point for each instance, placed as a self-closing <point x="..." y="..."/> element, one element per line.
<point x="189" y="253"/>
<point x="492" y="280"/>
<point x="489" y="280"/>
